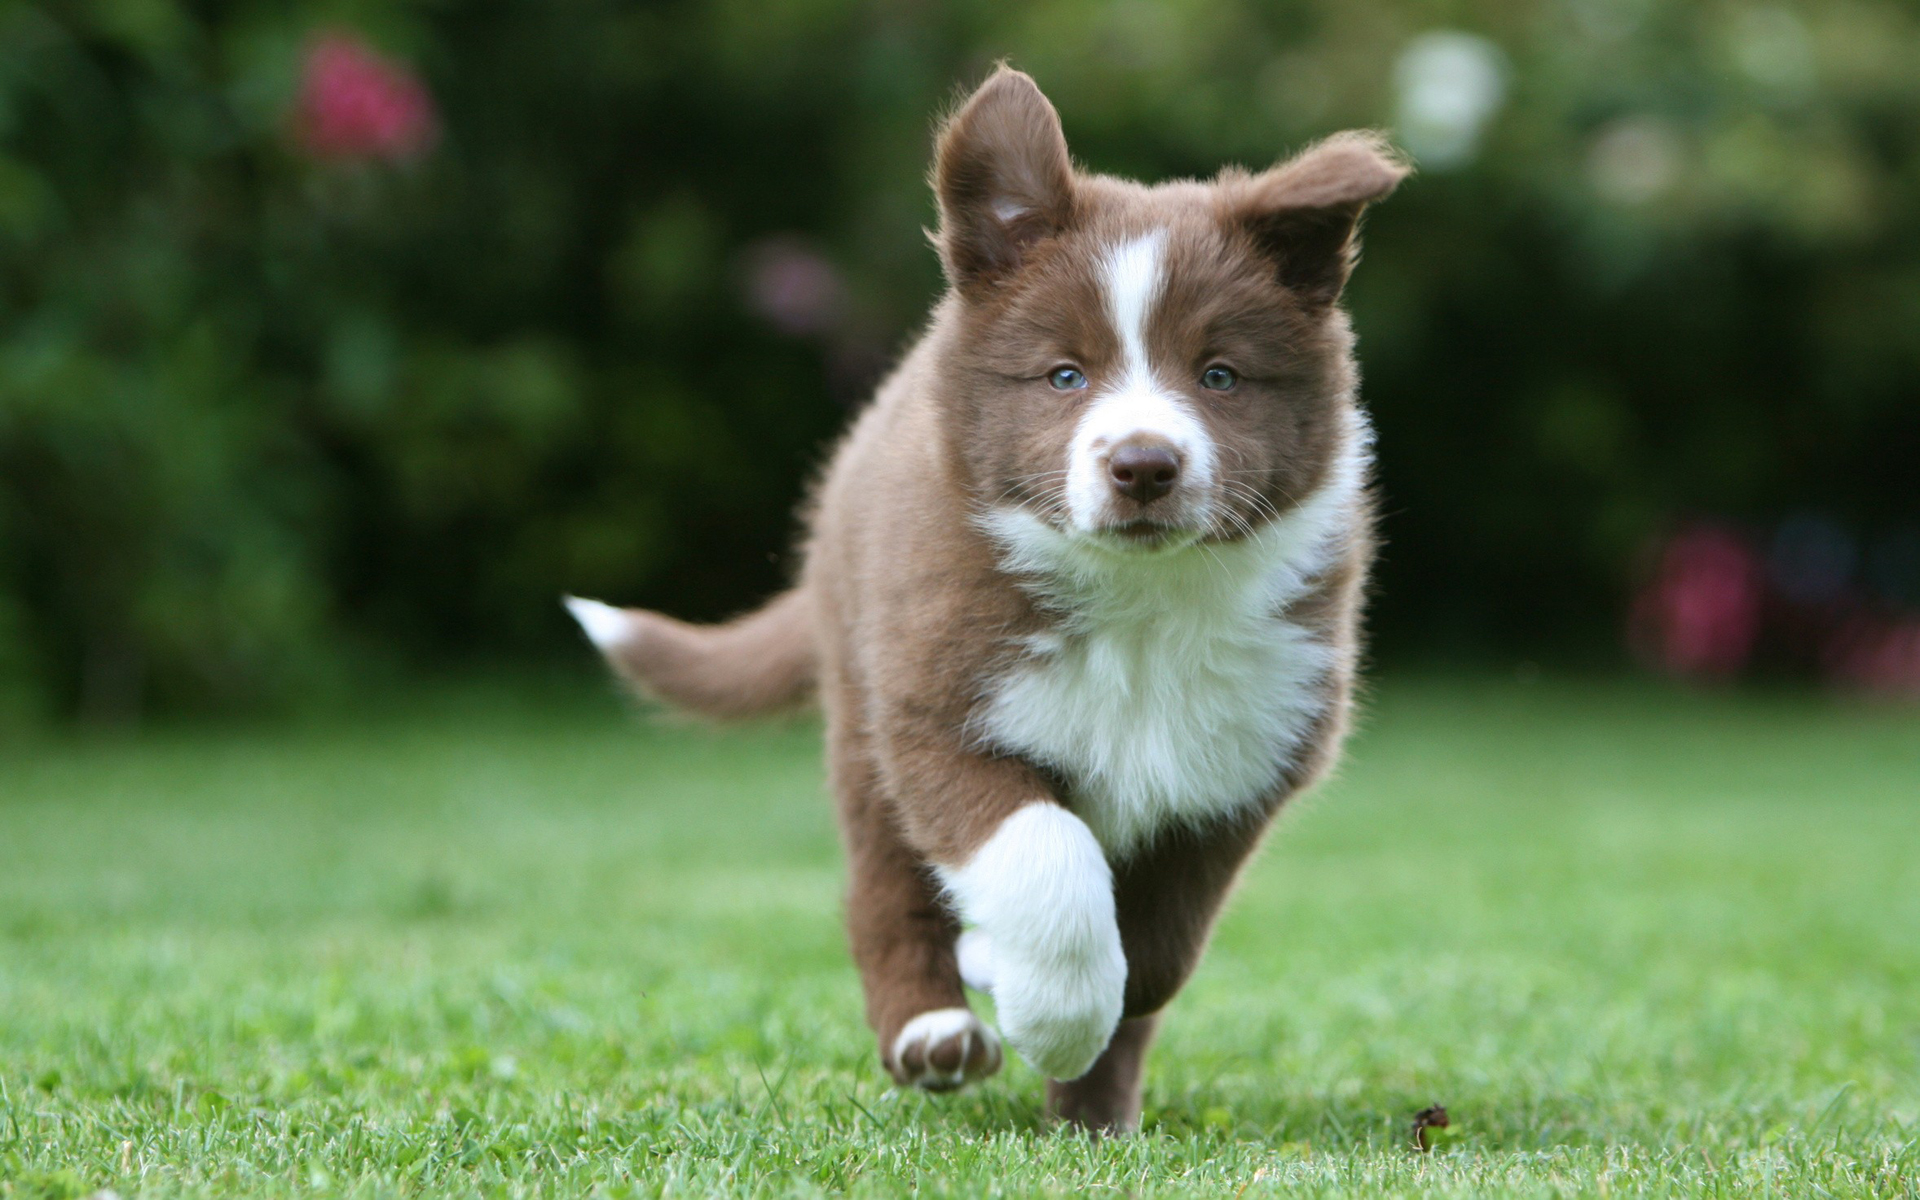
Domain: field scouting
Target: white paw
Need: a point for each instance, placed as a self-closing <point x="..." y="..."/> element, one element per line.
<point x="1060" y="1011"/>
<point x="944" y="1049"/>
<point x="1040" y="895"/>
<point x="975" y="953"/>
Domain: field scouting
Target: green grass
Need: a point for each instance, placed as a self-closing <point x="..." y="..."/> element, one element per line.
<point x="1638" y="943"/>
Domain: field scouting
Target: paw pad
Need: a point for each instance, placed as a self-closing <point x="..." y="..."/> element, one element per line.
<point x="944" y="1049"/>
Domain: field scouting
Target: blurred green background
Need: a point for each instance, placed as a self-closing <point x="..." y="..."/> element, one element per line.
<point x="283" y="413"/>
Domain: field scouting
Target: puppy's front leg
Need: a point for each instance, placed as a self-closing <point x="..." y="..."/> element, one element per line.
<point x="1011" y="859"/>
<point x="1039" y="889"/>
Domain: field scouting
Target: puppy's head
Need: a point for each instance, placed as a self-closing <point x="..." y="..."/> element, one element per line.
<point x="1143" y="367"/>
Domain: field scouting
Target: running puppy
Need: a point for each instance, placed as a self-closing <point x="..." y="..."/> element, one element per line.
<point x="1081" y="593"/>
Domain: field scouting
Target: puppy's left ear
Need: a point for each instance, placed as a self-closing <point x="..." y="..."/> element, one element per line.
<point x="1003" y="179"/>
<point x="1302" y="213"/>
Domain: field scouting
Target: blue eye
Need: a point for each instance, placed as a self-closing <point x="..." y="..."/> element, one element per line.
<point x="1066" y="379"/>
<point x="1218" y="379"/>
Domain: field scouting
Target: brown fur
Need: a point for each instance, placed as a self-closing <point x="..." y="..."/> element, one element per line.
<point x="758" y="663"/>
<point x="903" y="615"/>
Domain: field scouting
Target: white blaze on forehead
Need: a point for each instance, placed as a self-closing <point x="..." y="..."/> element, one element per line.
<point x="1131" y="274"/>
<point x="1135" y="404"/>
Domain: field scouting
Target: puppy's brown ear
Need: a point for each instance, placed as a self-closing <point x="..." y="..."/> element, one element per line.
<point x="1302" y="213"/>
<point x="1003" y="180"/>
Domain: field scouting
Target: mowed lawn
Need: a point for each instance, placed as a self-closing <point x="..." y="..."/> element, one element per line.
<point x="1637" y="942"/>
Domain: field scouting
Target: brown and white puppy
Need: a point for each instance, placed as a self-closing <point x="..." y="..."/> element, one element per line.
<point x="1081" y="593"/>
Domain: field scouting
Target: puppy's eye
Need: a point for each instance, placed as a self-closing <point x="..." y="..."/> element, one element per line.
<point x="1218" y="379"/>
<point x="1066" y="379"/>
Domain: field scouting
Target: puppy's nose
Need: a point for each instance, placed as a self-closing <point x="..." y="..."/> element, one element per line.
<point x="1144" y="471"/>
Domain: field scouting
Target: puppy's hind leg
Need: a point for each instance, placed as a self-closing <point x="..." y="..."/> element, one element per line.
<point x="1107" y="1098"/>
<point x="903" y="942"/>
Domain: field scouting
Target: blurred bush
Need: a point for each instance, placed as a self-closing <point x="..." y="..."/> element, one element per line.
<point x="345" y="337"/>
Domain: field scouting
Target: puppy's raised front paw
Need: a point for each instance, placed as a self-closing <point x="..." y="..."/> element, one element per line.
<point x="975" y="953"/>
<point x="1058" y="1015"/>
<point x="1039" y="893"/>
<point x="942" y="1050"/>
<point x="1060" y="1012"/>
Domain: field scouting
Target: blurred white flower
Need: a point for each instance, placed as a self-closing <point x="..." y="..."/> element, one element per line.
<point x="1634" y="160"/>
<point x="1450" y="85"/>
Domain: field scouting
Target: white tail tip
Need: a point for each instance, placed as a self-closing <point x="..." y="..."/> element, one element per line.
<point x="606" y="626"/>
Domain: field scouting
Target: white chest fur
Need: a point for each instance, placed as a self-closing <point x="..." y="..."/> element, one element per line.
<point x="1173" y="688"/>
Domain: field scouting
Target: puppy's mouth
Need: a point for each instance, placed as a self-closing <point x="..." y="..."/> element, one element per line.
<point x="1143" y="534"/>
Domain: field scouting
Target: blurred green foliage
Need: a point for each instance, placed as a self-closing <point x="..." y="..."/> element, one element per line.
<point x="269" y="422"/>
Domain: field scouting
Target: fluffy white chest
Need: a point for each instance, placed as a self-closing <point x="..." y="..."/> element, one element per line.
<point x="1162" y="718"/>
<point x="1172" y="688"/>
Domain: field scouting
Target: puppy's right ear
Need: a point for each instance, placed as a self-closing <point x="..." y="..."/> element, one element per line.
<point x="1003" y="179"/>
<point x="1303" y="212"/>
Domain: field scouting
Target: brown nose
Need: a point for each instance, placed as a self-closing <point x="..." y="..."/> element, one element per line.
<point x="1144" y="472"/>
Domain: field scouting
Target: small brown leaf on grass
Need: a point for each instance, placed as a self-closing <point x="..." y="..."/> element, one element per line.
<point x="1433" y="1116"/>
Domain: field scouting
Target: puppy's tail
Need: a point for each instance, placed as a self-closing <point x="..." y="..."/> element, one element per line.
<point x="762" y="662"/>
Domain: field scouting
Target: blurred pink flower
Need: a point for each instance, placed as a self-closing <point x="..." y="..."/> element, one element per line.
<point x="794" y="287"/>
<point x="357" y="104"/>
<point x="1880" y="656"/>
<point x="1700" y="614"/>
